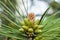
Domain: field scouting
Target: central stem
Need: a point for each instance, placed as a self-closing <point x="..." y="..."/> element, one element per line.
<point x="30" y="38"/>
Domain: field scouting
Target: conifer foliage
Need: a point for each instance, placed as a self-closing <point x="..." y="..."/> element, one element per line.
<point x="26" y="27"/>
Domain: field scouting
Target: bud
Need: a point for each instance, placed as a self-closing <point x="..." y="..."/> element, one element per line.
<point x="25" y="27"/>
<point x="30" y="30"/>
<point x="31" y="23"/>
<point x="26" y="21"/>
<point x="40" y="26"/>
<point x="36" y="38"/>
<point x="21" y="30"/>
<point x="37" y="22"/>
<point x="35" y="26"/>
<point x="38" y="31"/>
<point x="31" y="16"/>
